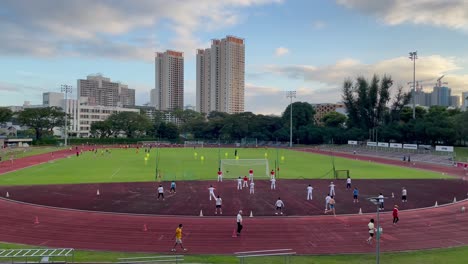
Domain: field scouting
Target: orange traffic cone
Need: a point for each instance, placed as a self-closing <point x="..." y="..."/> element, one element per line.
<point x="234" y="234"/>
<point x="36" y="220"/>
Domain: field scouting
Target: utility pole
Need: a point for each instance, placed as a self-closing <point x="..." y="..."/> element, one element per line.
<point x="67" y="89"/>
<point x="414" y="56"/>
<point x="290" y="94"/>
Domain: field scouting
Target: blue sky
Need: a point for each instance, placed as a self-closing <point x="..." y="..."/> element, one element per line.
<point x="308" y="46"/>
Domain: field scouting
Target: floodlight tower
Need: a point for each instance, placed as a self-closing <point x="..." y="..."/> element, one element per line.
<point x="67" y="89"/>
<point x="413" y="56"/>
<point x="291" y="95"/>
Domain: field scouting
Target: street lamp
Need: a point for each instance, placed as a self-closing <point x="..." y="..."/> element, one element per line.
<point x="290" y="94"/>
<point x="67" y="89"/>
<point x="414" y="56"/>
<point x="375" y="200"/>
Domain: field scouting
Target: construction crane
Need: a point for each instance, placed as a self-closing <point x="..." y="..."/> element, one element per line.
<point x="439" y="82"/>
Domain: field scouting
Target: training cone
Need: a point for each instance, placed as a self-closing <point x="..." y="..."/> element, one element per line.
<point x="393" y="195"/>
<point x="436" y="205"/>
<point x="7" y="195"/>
<point x="201" y="212"/>
<point x="454" y="199"/>
<point x="98" y="193"/>
<point x="463" y="209"/>
<point x="234" y="234"/>
<point x="145" y="228"/>
<point x="360" y="211"/>
<point x="251" y="214"/>
<point x="36" y="220"/>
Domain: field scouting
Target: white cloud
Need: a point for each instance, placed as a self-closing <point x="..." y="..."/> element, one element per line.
<point x="319" y="25"/>
<point x="281" y="51"/>
<point x="451" y="14"/>
<point x="91" y="28"/>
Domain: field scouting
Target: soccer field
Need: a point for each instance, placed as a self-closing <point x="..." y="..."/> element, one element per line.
<point x="125" y="165"/>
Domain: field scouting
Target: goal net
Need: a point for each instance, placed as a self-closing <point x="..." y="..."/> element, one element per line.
<point x="191" y="144"/>
<point x="341" y="174"/>
<point x="233" y="168"/>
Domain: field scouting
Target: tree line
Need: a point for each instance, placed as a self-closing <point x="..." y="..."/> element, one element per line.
<point x="376" y="111"/>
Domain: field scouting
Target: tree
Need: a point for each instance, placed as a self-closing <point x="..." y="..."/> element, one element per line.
<point x="334" y="119"/>
<point x="302" y="115"/>
<point x="102" y="129"/>
<point x="5" y="114"/>
<point x="42" y="120"/>
<point x="131" y="123"/>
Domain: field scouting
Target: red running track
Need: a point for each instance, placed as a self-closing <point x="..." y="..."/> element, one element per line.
<point x="418" y="229"/>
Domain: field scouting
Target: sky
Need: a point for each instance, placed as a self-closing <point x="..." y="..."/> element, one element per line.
<point x="307" y="46"/>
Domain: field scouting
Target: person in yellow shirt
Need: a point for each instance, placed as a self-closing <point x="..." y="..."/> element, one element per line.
<point x="178" y="239"/>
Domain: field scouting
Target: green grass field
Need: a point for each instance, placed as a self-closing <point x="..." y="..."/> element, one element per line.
<point x="183" y="164"/>
<point x="447" y="256"/>
<point x="461" y="154"/>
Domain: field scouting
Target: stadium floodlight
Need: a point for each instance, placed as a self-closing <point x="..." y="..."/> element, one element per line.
<point x="375" y="200"/>
<point x="291" y="95"/>
<point x="413" y="56"/>
<point x="67" y="89"/>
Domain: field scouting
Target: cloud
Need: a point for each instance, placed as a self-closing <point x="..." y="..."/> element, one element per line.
<point x="102" y="28"/>
<point x="281" y="51"/>
<point x="319" y="25"/>
<point x="450" y="14"/>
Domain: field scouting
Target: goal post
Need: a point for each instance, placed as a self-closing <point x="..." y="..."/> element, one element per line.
<point x="233" y="168"/>
<point x="193" y="144"/>
<point x="341" y="174"/>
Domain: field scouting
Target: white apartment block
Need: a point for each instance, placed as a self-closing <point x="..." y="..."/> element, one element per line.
<point x="221" y="76"/>
<point x="169" y="80"/>
<point x="100" y="90"/>
<point x="464" y="105"/>
<point x="50" y="99"/>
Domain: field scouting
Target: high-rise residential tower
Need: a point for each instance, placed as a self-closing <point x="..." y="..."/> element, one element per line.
<point x="99" y="90"/>
<point x="221" y="76"/>
<point x="169" y="80"/>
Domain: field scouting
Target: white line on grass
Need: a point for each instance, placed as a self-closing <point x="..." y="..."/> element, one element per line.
<point x="115" y="173"/>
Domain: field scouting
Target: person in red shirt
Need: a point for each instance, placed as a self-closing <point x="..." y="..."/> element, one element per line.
<point x="220" y="176"/>
<point x="251" y="175"/>
<point x="395" y="215"/>
<point x="246" y="183"/>
<point x="272" y="174"/>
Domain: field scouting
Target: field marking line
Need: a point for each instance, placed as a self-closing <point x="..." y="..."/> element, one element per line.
<point x="115" y="173"/>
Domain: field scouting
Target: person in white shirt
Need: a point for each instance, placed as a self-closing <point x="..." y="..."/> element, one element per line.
<point x="371" y="228"/>
<point x="381" y="202"/>
<point x="252" y="186"/>
<point x="348" y="183"/>
<point x="212" y="194"/>
<point x="273" y="184"/>
<point x="160" y="192"/>
<point x="219" y="202"/>
<point x="309" y="192"/>
<point x="279" y="206"/>
<point x="239" y="183"/>
<point x="332" y="188"/>
<point x="239" y="222"/>
<point x="327" y="201"/>
<point x="403" y="195"/>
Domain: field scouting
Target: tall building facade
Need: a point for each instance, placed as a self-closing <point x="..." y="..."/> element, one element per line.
<point x="322" y="109"/>
<point x="455" y="101"/>
<point x="52" y="99"/>
<point x="169" y="80"/>
<point x="100" y="90"/>
<point x="464" y="105"/>
<point x="221" y="76"/>
<point x="441" y="96"/>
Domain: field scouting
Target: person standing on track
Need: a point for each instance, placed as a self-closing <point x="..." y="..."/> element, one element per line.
<point x="178" y="239"/>
<point x="246" y="182"/>
<point x="220" y="176"/>
<point x="355" y="195"/>
<point x="251" y="175"/>
<point x="239" y="222"/>
<point x="173" y="186"/>
<point x="272" y="174"/>
<point x="239" y="183"/>
<point x="403" y="195"/>
<point x="279" y="206"/>
<point x="252" y="187"/>
<point x="348" y="183"/>
<point x="332" y="188"/>
<point x="219" y="202"/>
<point x="160" y="192"/>
<point x="273" y="183"/>
<point x="211" y="189"/>
<point x="309" y="192"/>
<point x="327" y="201"/>
<point x="395" y="214"/>
<point x="331" y="203"/>
<point x="371" y="228"/>
<point x="381" y="202"/>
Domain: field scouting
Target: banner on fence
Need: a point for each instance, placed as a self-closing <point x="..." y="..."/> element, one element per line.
<point x="426" y="147"/>
<point x="352" y="142"/>
<point x="396" y="145"/>
<point x="444" y="148"/>
<point x="382" y="144"/>
<point x="410" y="146"/>
<point x="372" y="144"/>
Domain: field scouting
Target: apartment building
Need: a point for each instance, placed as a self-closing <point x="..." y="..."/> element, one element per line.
<point x="169" y="81"/>
<point x="102" y="91"/>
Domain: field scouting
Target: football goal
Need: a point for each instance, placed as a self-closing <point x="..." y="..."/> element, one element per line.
<point x="341" y="174"/>
<point x="233" y="168"/>
<point x="193" y="144"/>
